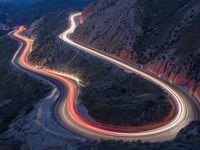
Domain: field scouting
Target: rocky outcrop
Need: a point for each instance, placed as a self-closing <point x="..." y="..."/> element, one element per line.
<point x="163" y="36"/>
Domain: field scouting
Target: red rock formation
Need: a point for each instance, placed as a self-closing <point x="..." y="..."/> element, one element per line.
<point x="181" y="79"/>
<point x="191" y="85"/>
<point x="125" y="55"/>
<point x="172" y="77"/>
<point x="196" y="93"/>
<point x="163" y="69"/>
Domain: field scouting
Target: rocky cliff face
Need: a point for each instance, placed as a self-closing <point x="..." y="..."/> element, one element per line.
<point x="162" y="35"/>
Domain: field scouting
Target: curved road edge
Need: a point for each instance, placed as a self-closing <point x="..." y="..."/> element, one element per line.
<point x="187" y="107"/>
<point x="65" y="109"/>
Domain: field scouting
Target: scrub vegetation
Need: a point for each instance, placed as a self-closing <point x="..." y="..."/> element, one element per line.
<point x="18" y="91"/>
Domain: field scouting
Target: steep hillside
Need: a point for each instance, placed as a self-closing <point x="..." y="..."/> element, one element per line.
<point x="102" y="91"/>
<point x="107" y="91"/>
<point x="162" y="35"/>
<point x="18" y="91"/>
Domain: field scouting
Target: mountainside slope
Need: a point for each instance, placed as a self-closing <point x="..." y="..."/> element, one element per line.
<point x="106" y="80"/>
<point x="162" y="35"/>
<point x="106" y="87"/>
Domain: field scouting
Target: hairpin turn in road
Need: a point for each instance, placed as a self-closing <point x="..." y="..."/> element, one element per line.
<point x="65" y="112"/>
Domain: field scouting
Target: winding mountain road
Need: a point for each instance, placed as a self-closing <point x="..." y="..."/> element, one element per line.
<point x="187" y="107"/>
<point x="65" y="112"/>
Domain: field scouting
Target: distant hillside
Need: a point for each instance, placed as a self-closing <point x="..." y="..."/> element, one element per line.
<point x="14" y="12"/>
<point x="10" y="10"/>
<point x="42" y="7"/>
